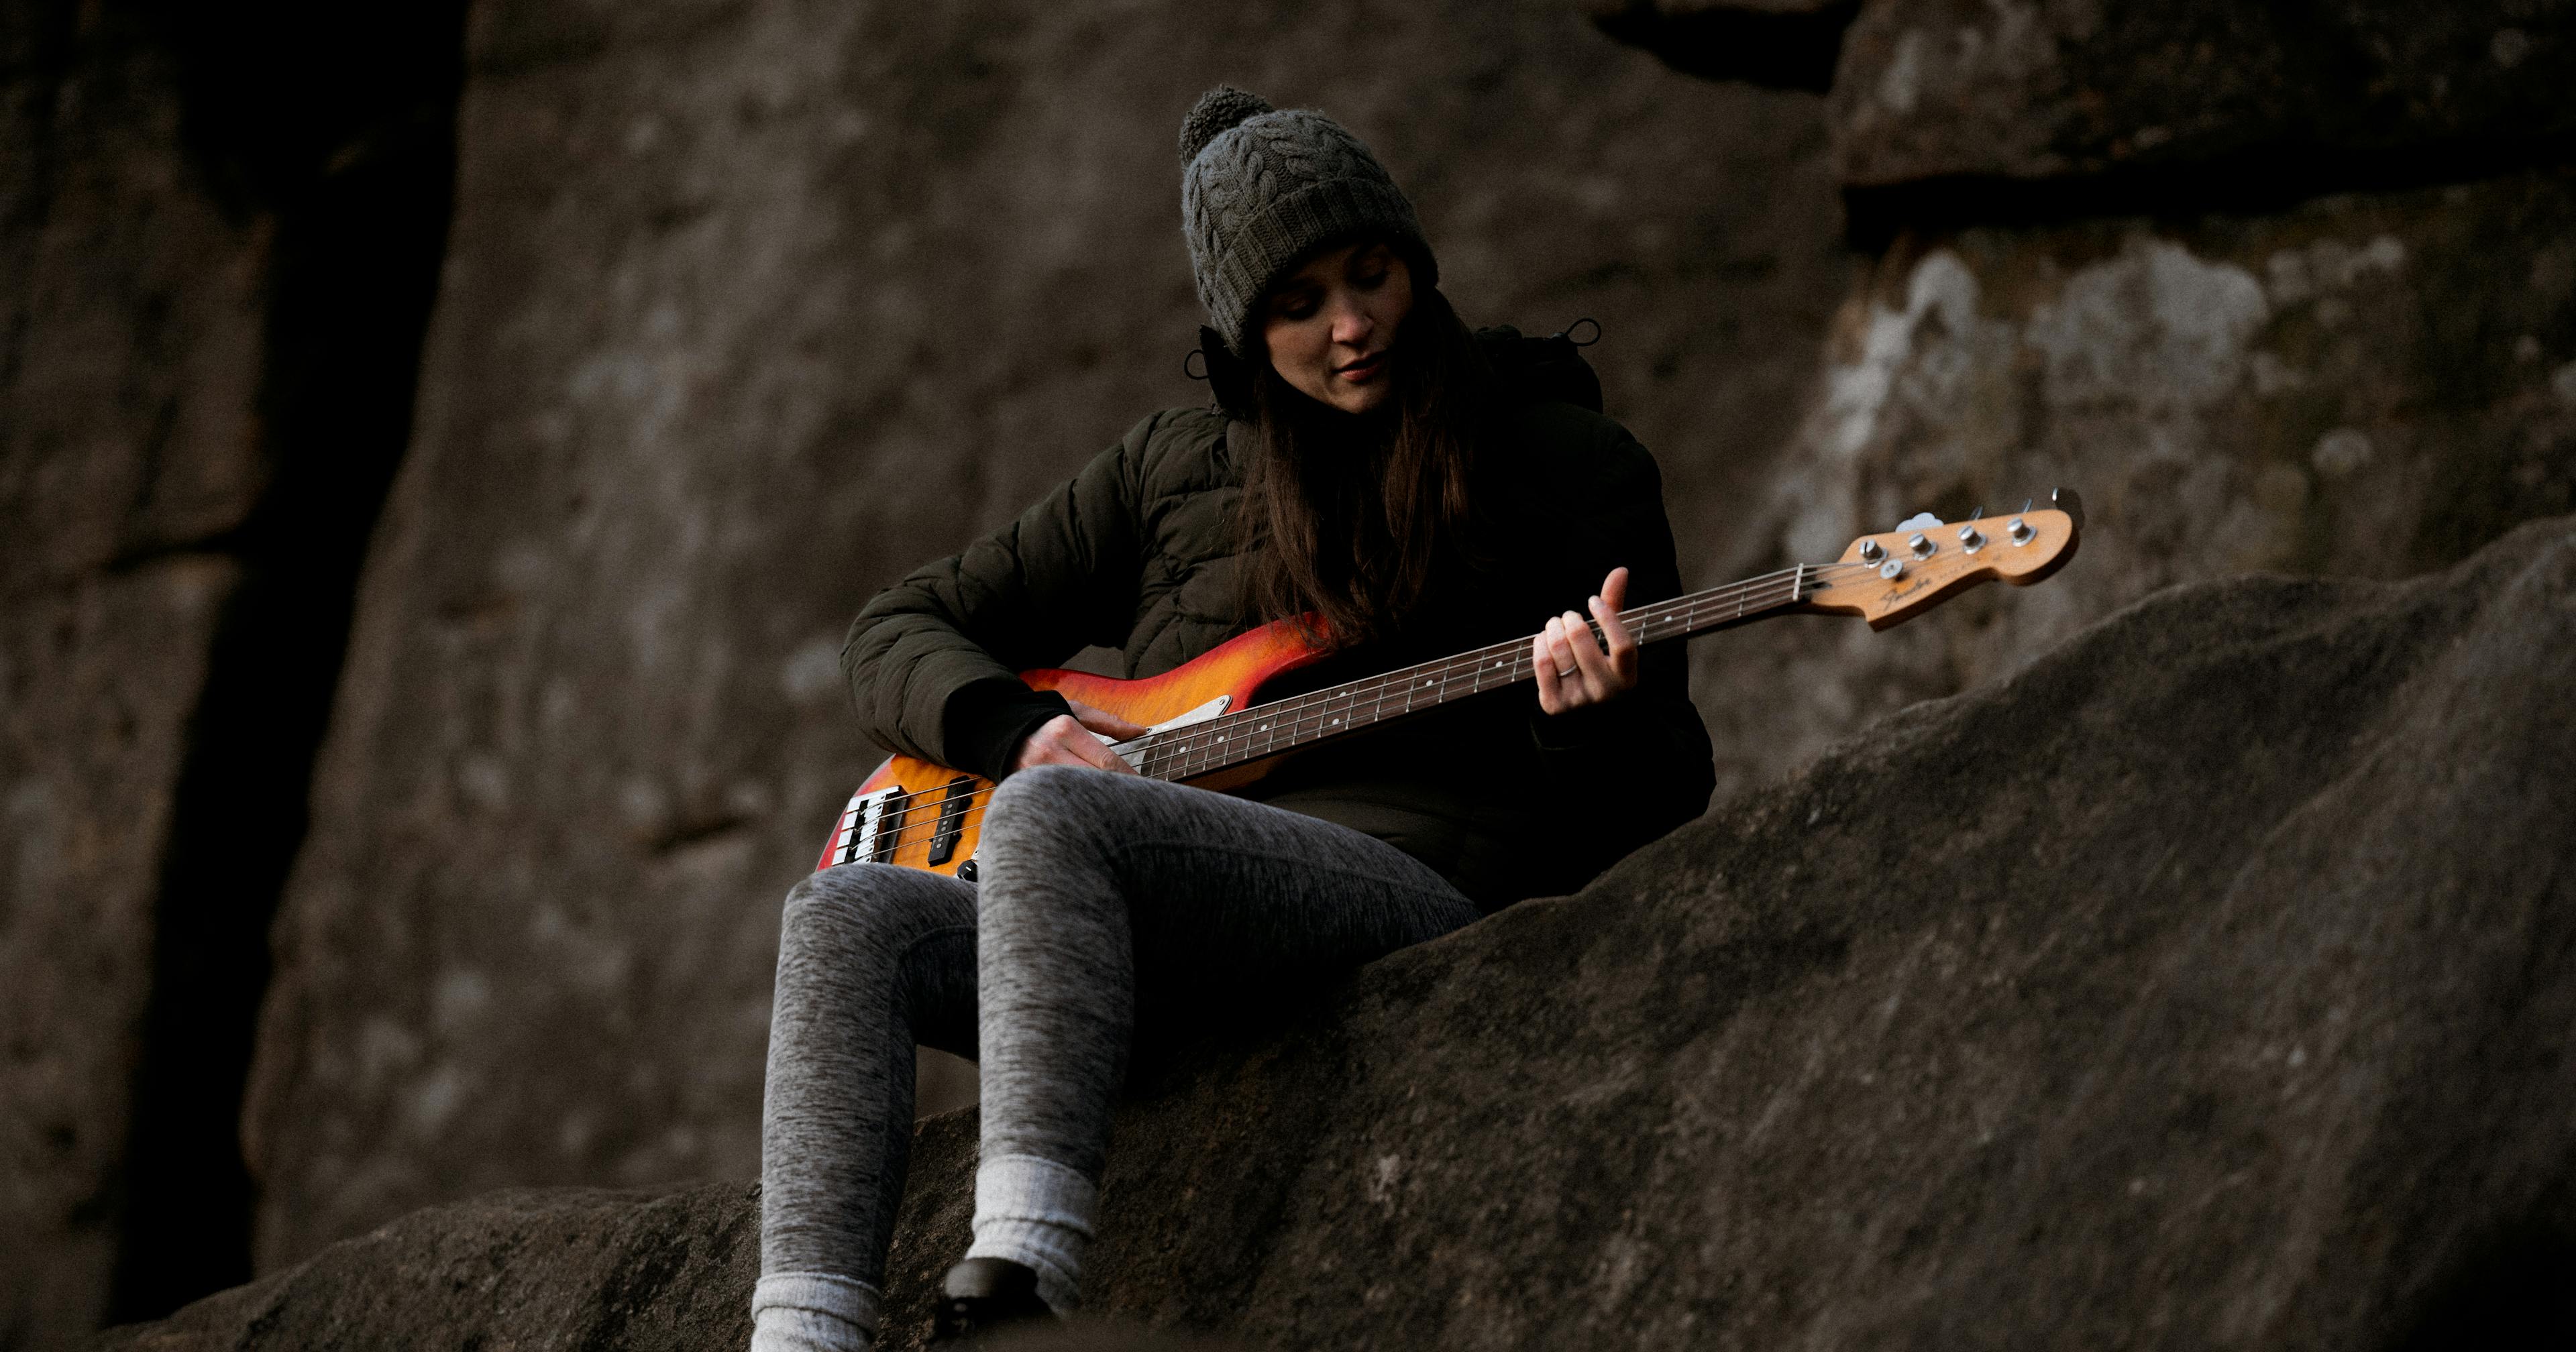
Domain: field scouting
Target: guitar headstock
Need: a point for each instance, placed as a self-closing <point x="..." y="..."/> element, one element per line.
<point x="1889" y="578"/>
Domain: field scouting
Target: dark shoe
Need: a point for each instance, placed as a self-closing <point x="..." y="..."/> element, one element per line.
<point x="984" y="1294"/>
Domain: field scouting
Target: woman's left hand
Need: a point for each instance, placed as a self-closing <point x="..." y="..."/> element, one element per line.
<point x="1573" y="668"/>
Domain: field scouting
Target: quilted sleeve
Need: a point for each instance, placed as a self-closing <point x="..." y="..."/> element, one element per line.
<point x="950" y="638"/>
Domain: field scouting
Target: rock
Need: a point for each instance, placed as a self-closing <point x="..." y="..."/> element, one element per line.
<point x="577" y="1268"/>
<point x="747" y="311"/>
<point x="2212" y="981"/>
<point x="555" y="1267"/>
<point x="100" y="678"/>
<point x="133" y="308"/>
<point x="2287" y="100"/>
<point x="2358" y="387"/>
<point x="1781" y="44"/>
<point x="215" y="251"/>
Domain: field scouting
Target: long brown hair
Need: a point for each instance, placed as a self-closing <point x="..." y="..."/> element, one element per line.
<point x="1358" y="518"/>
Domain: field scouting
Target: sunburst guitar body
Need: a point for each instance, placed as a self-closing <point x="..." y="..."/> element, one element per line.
<point x="1208" y="727"/>
<point x="921" y="814"/>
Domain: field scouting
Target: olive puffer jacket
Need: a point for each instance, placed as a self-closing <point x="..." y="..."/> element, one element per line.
<point x="1139" y="553"/>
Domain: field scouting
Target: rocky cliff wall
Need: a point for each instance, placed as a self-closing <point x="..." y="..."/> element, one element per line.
<point x="2360" y="386"/>
<point x="2268" y="101"/>
<point x="2209" y="982"/>
<point x="748" y="310"/>
<point x="2275" y="289"/>
<point x="214" y="266"/>
<point x="134" y="306"/>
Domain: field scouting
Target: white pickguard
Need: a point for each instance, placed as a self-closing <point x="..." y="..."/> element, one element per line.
<point x="1200" y="714"/>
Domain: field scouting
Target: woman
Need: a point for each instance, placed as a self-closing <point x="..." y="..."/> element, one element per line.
<point x="1376" y="473"/>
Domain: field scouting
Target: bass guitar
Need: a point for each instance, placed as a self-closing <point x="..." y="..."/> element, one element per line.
<point x="1207" y="726"/>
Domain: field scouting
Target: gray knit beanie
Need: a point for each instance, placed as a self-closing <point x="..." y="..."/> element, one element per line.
<point x="1260" y="188"/>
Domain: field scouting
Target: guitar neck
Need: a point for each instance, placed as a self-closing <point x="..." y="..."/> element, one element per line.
<point x="1337" y="711"/>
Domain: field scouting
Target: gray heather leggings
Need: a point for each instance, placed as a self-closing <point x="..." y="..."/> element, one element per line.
<point x="1107" y="903"/>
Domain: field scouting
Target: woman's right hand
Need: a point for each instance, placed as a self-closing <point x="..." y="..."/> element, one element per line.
<point x="1067" y="740"/>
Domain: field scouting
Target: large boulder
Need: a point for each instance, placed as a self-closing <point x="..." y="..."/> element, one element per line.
<point x="2211" y="982"/>
<point x="749" y="309"/>
<point x="1979" y="110"/>
<point x="2236" y="271"/>
<point x="572" y="1268"/>
<point x="133" y="305"/>
<point x="101" y="678"/>
<point x="215" y="254"/>
<point x="2274" y="97"/>
<point x="2365" y="385"/>
<point x="1783" y="44"/>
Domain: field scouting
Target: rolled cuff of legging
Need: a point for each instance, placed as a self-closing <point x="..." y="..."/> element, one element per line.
<point x="818" y="1309"/>
<point x="1037" y="1213"/>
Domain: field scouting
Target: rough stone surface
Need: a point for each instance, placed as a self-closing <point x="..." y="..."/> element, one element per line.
<point x="2036" y="89"/>
<point x="1782" y="44"/>
<point x="747" y="310"/>
<point x="214" y="266"/>
<point x="2368" y="385"/>
<point x="130" y="312"/>
<point x="1683" y="9"/>
<point x="2212" y="982"/>
<point x="568" y="1268"/>
<point x="97" y="683"/>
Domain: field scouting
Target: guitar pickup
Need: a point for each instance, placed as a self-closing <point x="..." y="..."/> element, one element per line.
<point x="952" y="819"/>
<point x="871" y="826"/>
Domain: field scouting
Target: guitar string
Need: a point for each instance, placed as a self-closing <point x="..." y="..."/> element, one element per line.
<point x="1186" y="747"/>
<point x="1302" y="716"/>
<point x="1186" y="744"/>
<point x="1158" y="753"/>
<point x="941" y="816"/>
<point x="1199" y="739"/>
<point x="1482" y="662"/>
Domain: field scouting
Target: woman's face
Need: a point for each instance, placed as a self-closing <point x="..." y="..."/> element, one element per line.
<point x="1330" y="325"/>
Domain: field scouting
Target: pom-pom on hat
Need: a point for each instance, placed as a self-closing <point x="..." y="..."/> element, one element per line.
<point x="1261" y="188"/>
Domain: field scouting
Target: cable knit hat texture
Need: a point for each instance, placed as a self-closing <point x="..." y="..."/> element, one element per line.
<point x="1260" y="188"/>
